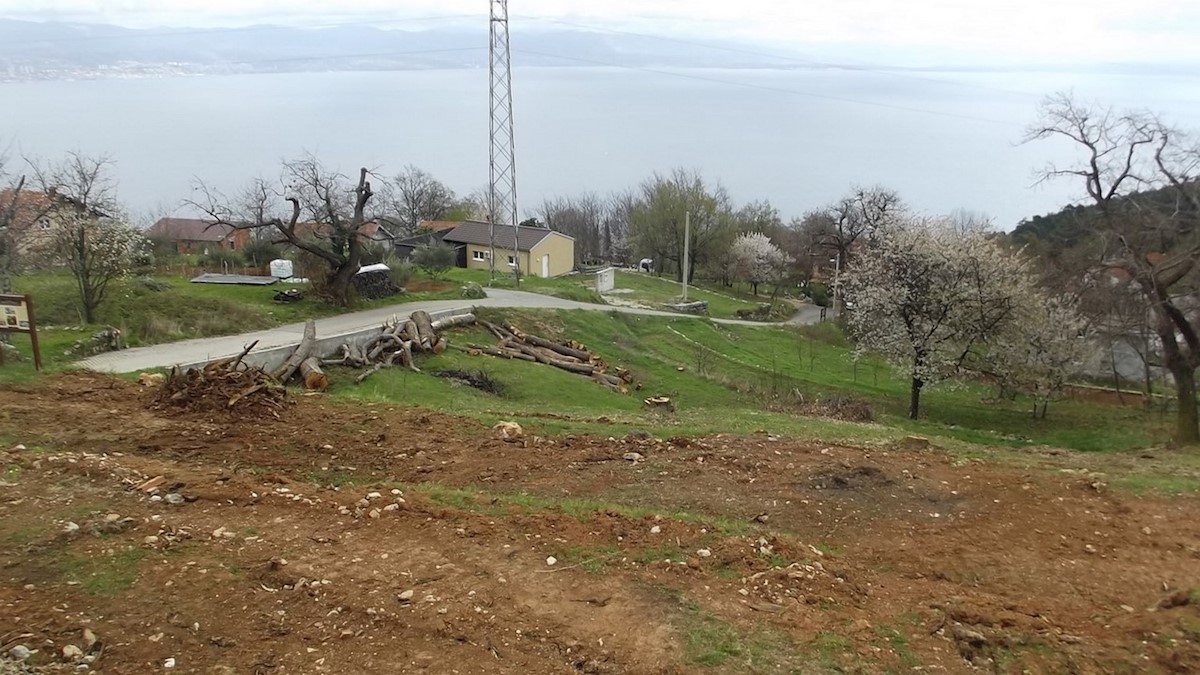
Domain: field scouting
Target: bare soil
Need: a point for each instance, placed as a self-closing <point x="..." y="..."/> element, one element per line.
<point x="347" y="538"/>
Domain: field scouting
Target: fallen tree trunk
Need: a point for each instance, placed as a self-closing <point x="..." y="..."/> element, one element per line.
<point x="426" y="336"/>
<point x="314" y="377"/>
<point x="452" y="321"/>
<point x="304" y="350"/>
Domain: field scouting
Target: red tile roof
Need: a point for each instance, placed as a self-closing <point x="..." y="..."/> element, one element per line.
<point x="188" y="229"/>
<point x="438" y="225"/>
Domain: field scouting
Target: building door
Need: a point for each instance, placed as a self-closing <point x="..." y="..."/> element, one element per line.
<point x="546" y="266"/>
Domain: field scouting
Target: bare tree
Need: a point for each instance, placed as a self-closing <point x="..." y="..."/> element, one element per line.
<point x="326" y="218"/>
<point x="858" y="216"/>
<point x="416" y="195"/>
<point x="1142" y="177"/>
<point x="89" y="235"/>
<point x="11" y="188"/>
<point x="657" y="222"/>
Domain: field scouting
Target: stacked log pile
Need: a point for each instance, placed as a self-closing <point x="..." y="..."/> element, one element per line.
<point x="226" y="384"/>
<point x="375" y="284"/>
<point x="569" y="355"/>
<point x="397" y="342"/>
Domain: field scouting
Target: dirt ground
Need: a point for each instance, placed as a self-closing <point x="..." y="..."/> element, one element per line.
<point x="348" y="538"/>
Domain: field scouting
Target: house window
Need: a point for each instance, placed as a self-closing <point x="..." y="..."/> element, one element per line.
<point x="512" y="260"/>
<point x="44" y="223"/>
<point x="480" y="255"/>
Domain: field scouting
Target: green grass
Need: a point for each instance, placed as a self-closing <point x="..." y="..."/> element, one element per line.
<point x="739" y="379"/>
<point x="657" y="291"/>
<point x="578" y="287"/>
<point x="105" y="574"/>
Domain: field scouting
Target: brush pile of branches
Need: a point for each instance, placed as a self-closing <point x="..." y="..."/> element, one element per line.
<point x="396" y="343"/>
<point x="225" y="385"/>
<point x="570" y="355"/>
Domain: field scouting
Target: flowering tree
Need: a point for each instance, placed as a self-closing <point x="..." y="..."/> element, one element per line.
<point x="928" y="295"/>
<point x="756" y="260"/>
<point x="1044" y="344"/>
<point x="89" y="237"/>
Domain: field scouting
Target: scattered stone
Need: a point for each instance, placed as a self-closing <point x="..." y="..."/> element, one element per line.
<point x="150" y="540"/>
<point x="391" y="507"/>
<point x="72" y="653"/>
<point x="362" y="503"/>
<point x="1089" y="548"/>
<point x="20" y="652"/>
<point x="169" y="663"/>
<point x="914" y="443"/>
<point x="374" y="495"/>
<point x="406" y="596"/>
<point x="1129" y="609"/>
<point x="1147" y="531"/>
<point x="173" y="498"/>
<point x="634" y="457"/>
<point x="89" y="639"/>
<point x="655" y="530"/>
<point x="704" y="553"/>
<point x="19" y="447"/>
<point x="508" y="431"/>
<point x="1178" y="598"/>
<point x="761" y="518"/>
<point x="551" y="560"/>
<point x="396" y="492"/>
<point x="70" y="527"/>
<point x="374" y="513"/>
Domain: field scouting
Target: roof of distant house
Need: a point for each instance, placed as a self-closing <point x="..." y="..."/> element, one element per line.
<point x="438" y="225"/>
<point x="479" y="233"/>
<point x="28" y="206"/>
<point x="188" y="229"/>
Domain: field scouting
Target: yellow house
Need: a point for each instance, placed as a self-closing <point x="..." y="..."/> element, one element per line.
<point x="540" y="252"/>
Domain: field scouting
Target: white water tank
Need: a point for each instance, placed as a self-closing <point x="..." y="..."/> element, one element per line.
<point x="281" y="269"/>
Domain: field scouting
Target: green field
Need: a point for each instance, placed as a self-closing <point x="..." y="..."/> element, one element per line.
<point x="734" y="379"/>
<point x="723" y="303"/>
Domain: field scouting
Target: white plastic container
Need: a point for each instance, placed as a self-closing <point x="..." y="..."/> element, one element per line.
<point x="281" y="269"/>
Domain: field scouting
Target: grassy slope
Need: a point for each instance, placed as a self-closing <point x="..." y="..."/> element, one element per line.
<point x="651" y="290"/>
<point x="740" y="380"/>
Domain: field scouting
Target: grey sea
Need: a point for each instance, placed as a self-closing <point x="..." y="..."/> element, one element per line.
<point x="945" y="140"/>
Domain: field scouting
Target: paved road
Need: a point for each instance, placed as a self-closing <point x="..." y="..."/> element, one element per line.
<point x="204" y="349"/>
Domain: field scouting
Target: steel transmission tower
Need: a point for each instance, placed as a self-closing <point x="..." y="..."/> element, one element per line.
<point x="502" y="188"/>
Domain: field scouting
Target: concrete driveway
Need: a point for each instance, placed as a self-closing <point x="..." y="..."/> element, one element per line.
<point x="206" y="349"/>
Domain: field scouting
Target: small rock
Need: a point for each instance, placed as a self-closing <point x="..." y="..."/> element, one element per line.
<point x="704" y="553"/>
<point x="1089" y="548"/>
<point x="391" y="507"/>
<point x="362" y="503"/>
<point x="150" y="540"/>
<point x="374" y="495"/>
<point x="655" y="530"/>
<point x="169" y="663"/>
<point x="89" y="639"/>
<point x="19" y="447"/>
<point x="1147" y="531"/>
<point x="1127" y="608"/>
<point x="551" y="560"/>
<point x="406" y="596"/>
<point x="396" y="492"/>
<point x="70" y="527"/>
<point x="508" y="431"/>
<point x="173" y="498"/>
<point x="634" y="457"/>
<point x="374" y="513"/>
<point x="20" y="652"/>
<point x="72" y="653"/>
<point x="327" y="447"/>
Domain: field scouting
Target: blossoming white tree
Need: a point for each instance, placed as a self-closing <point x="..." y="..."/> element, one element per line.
<point x="1043" y="345"/>
<point x="927" y="295"/>
<point x="90" y="236"/>
<point x="756" y="260"/>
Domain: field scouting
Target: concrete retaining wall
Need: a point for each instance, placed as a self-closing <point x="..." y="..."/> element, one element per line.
<point x="327" y="345"/>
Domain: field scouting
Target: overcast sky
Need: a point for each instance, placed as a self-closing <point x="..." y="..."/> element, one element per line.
<point x="996" y="31"/>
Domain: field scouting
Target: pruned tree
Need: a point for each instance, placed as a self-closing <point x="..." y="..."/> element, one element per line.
<point x="927" y="295"/>
<point x="415" y="195"/>
<point x="858" y="216"/>
<point x="1143" y="178"/>
<point x="757" y="260"/>
<point x="89" y="234"/>
<point x="327" y="217"/>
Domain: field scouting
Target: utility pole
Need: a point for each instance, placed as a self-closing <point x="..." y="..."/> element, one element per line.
<point x="687" y="244"/>
<point x="502" y="185"/>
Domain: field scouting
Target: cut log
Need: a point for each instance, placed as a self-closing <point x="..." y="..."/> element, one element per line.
<point x="303" y="351"/>
<point x="426" y="336"/>
<point x="440" y="345"/>
<point x="314" y="378"/>
<point x="452" y="321"/>
<point x="555" y="347"/>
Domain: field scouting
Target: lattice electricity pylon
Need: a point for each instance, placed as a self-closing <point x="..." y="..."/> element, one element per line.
<point x="502" y="188"/>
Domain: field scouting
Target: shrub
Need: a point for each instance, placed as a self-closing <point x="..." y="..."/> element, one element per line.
<point x="220" y="259"/>
<point x="473" y="291"/>
<point x="434" y="259"/>
<point x="260" y="252"/>
<point x="819" y="293"/>
<point x="401" y="271"/>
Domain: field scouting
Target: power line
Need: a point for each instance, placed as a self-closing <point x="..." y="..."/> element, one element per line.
<point x="363" y="55"/>
<point x="747" y="85"/>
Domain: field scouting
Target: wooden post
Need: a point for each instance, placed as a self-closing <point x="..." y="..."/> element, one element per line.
<point x="33" y="340"/>
<point x="687" y="242"/>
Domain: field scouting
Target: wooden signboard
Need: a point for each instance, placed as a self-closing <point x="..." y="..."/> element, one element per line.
<point x="16" y="316"/>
